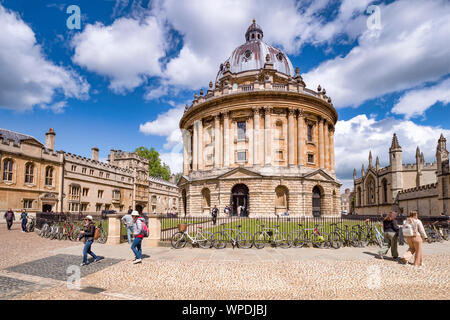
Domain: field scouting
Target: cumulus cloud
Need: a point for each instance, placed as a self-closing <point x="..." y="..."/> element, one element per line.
<point x="355" y="138"/>
<point x="416" y="102"/>
<point x="27" y="77"/>
<point x="127" y="52"/>
<point x="410" y="49"/>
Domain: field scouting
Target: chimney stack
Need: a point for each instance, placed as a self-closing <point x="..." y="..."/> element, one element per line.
<point x="94" y="154"/>
<point x="50" y="139"/>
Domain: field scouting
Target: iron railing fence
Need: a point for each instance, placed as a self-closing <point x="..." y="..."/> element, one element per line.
<point x="169" y="225"/>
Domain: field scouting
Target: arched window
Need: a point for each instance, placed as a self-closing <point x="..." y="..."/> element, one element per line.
<point x="206" y="200"/>
<point x="316" y="201"/>
<point x="371" y="194"/>
<point x="8" y="170"/>
<point x="29" y="173"/>
<point x="384" y="183"/>
<point x="49" y="176"/>
<point x="281" y="199"/>
<point x="359" y="203"/>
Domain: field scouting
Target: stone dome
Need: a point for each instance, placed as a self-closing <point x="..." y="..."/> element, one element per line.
<point x="252" y="55"/>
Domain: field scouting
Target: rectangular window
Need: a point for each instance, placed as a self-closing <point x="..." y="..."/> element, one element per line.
<point x="98" y="207"/>
<point x="107" y="176"/>
<point x="100" y="194"/>
<point x="74" y="207"/>
<point x="28" y="204"/>
<point x="279" y="155"/>
<point x="85" y="192"/>
<point x="310" y="158"/>
<point x="84" y="207"/>
<point x="74" y="168"/>
<point x="91" y="172"/>
<point x="49" y="176"/>
<point x="241" y="128"/>
<point x="107" y="206"/>
<point x="241" y="156"/>
<point x="100" y="174"/>
<point x="29" y="170"/>
<point x="7" y="170"/>
<point x="310" y="133"/>
<point x="83" y="170"/>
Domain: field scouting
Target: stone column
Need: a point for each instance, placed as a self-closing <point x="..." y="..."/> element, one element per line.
<point x="291" y="137"/>
<point x="195" y="148"/>
<point x="154" y="228"/>
<point x="200" y="145"/>
<point x="186" y="151"/>
<point x="301" y="146"/>
<point x="232" y="137"/>
<point x="114" y="229"/>
<point x="256" y="120"/>
<point x="226" y="139"/>
<point x="326" y="145"/>
<point x="217" y="141"/>
<point x="321" y="145"/>
<point x="251" y="137"/>
<point x="267" y="136"/>
<point x="332" y="149"/>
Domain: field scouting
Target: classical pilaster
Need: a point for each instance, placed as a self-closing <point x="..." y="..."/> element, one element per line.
<point x="200" y="145"/>
<point x="186" y="151"/>
<point x="256" y="120"/>
<point x="226" y="139"/>
<point x="195" y="148"/>
<point x="332" y="148"/>
<point x="217" y="141"/>
<point x="326" y="145"/>
<point x="321" y="144"/>
<point x="267" y="136"/>
<point x="232" y="138"/>
<point x="291" y="137"/>
<point x="301" y="139"/>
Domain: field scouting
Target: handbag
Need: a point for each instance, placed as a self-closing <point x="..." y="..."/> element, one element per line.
<point x="408" y="229"/>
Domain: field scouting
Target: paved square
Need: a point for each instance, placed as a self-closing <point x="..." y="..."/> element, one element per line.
<point x="10" y="287"/>
<point x="55" y="267"/>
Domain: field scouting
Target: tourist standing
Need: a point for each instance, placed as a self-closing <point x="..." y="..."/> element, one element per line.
<point x="128" y="221"/>
<point x="9" y="216"/>
<point x="215" y="212"/>
<point x="415" y="240"/>
<point x="136" y="246"/>
<point x="391" y="230"/>
<point x="88" y="235"/>
<point x="24" y="218"/>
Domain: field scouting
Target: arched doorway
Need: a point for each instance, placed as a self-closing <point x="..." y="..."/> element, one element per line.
<point x="281" y="199"/>
<point x="316" y="201"/>
<point x="46" y="208"/>
<point x="139" y="208"/>
<point x="184" y="198"/>
<point x="239" y="197"/>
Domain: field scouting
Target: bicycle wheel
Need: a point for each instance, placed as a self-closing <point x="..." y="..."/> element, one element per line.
<point x="220" y="240"/>
<point x="244" y="240"/>
<point x="335" y="240"/>
<point x="300" y="239"/>
<point x="354" y="239"/>
<point x="178" y="240"/>
<point x="205" y="239"/>
<point x="60" y="235"/>
<point x="75" y="234"/>
<point x="282" y="239"/>
<point x="103" y="237"/>
<point x="319" y="241"/>
<point x="445" y="234"/>
<point x="259" y="239"/>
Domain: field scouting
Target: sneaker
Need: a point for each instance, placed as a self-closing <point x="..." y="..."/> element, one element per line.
<point x="83" y="264"/>
<point x="97" y="260"/>
<point x="137" y="261"/>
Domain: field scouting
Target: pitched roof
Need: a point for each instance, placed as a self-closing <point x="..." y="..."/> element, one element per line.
<point x="6" y="135"/>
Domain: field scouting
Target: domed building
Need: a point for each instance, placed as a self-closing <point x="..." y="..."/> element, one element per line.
<point x="259" y="139"/>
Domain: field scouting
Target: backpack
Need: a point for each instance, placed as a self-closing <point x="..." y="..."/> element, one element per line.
<point x="408" y="229"/>
<point x="145" y="232"/>
<point x="96" y="233"/>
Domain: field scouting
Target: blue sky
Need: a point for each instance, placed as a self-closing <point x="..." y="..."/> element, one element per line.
<point x="121" y="81"/>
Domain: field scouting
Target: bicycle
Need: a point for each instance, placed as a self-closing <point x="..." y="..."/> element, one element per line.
<point x="242" y="239"/>
<point x="340" y="237"/>
<point x="31" y="224"/>
<point x="203" y="238"/>
<point x="318" y="239"/>
<point x="273" y="236"/>
<point x="103" y="234"/>
<point x="299" y="237"/>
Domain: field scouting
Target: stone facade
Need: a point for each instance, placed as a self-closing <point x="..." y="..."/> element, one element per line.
<point x="259" y="139"/>
<point x="404" y="187"/>
<point x="37" y="178"/>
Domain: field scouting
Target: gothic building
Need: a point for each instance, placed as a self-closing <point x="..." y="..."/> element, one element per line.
<point x="259" y="138"/>
<point x="404" y="187"/>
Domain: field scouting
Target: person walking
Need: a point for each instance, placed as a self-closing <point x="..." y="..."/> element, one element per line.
<point x="128" y="221"/>
<point x="214" y="212"/>
<point x="391" y="231"/>
<point x="414" y="239"/>
<point x="24" y="218"/>
<point x="88" y="235"/>
<point x="9" y="216"/>
<point x="136" y="246"/>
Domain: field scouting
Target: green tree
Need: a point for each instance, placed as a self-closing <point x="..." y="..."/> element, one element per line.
<point x="156" y="167"/>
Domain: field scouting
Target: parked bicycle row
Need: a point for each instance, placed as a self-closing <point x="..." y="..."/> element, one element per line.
<point x="67" y="230"/>
<point x="360" y="235"/>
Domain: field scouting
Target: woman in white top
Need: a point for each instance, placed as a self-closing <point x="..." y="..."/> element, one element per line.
<point x="415" y="242"/>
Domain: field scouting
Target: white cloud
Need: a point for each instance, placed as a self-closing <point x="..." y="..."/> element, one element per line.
<point x="174" y="160"/>
<point x="27" y="77"/>
<point x="355" y="138"/>
<point x="411" y="49"/>
<point x="128" y="51"/>
<point x="416" y="102"/>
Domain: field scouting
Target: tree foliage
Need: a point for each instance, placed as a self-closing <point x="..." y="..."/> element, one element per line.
<point x="156" y="167"/>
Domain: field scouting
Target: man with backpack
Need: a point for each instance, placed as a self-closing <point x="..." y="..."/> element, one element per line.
<point x="9" y="216"/>
<point x="140" y="230"/>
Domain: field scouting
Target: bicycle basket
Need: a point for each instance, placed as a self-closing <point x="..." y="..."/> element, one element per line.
<point x="182" y="227"/>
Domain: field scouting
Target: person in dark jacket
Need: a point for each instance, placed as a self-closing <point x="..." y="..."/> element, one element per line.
<point x="391" y="230"/>
<point x="24" y="218"/>
<point x="88" y="235"/>
<point x="214" y="212"/>
<point x="9" y="216"/>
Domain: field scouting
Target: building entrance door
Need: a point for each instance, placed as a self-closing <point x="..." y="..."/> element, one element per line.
<point x="316" y="202"/>
<point x="46" y="208"/>
<point x="239" y="199"/>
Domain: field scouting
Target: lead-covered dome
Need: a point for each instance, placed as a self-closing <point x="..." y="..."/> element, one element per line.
<point x="252" y="55"/>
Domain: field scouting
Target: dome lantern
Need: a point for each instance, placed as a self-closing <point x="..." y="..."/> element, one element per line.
<point x="254" y="32"/>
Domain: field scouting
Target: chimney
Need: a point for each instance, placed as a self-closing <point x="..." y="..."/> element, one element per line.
<point x="94" y="154"/>
<point x="50" y="139"/>
<point x="172" y="178"/>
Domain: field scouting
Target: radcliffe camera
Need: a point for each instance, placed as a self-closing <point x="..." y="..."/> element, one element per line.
<point x="217" y="159"/>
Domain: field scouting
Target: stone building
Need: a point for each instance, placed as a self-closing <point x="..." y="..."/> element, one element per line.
<point x="260" y="139"/>
<point x="404" y="187"/>
<point x="38" y="178"/>
<point x="346" y="202"/>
